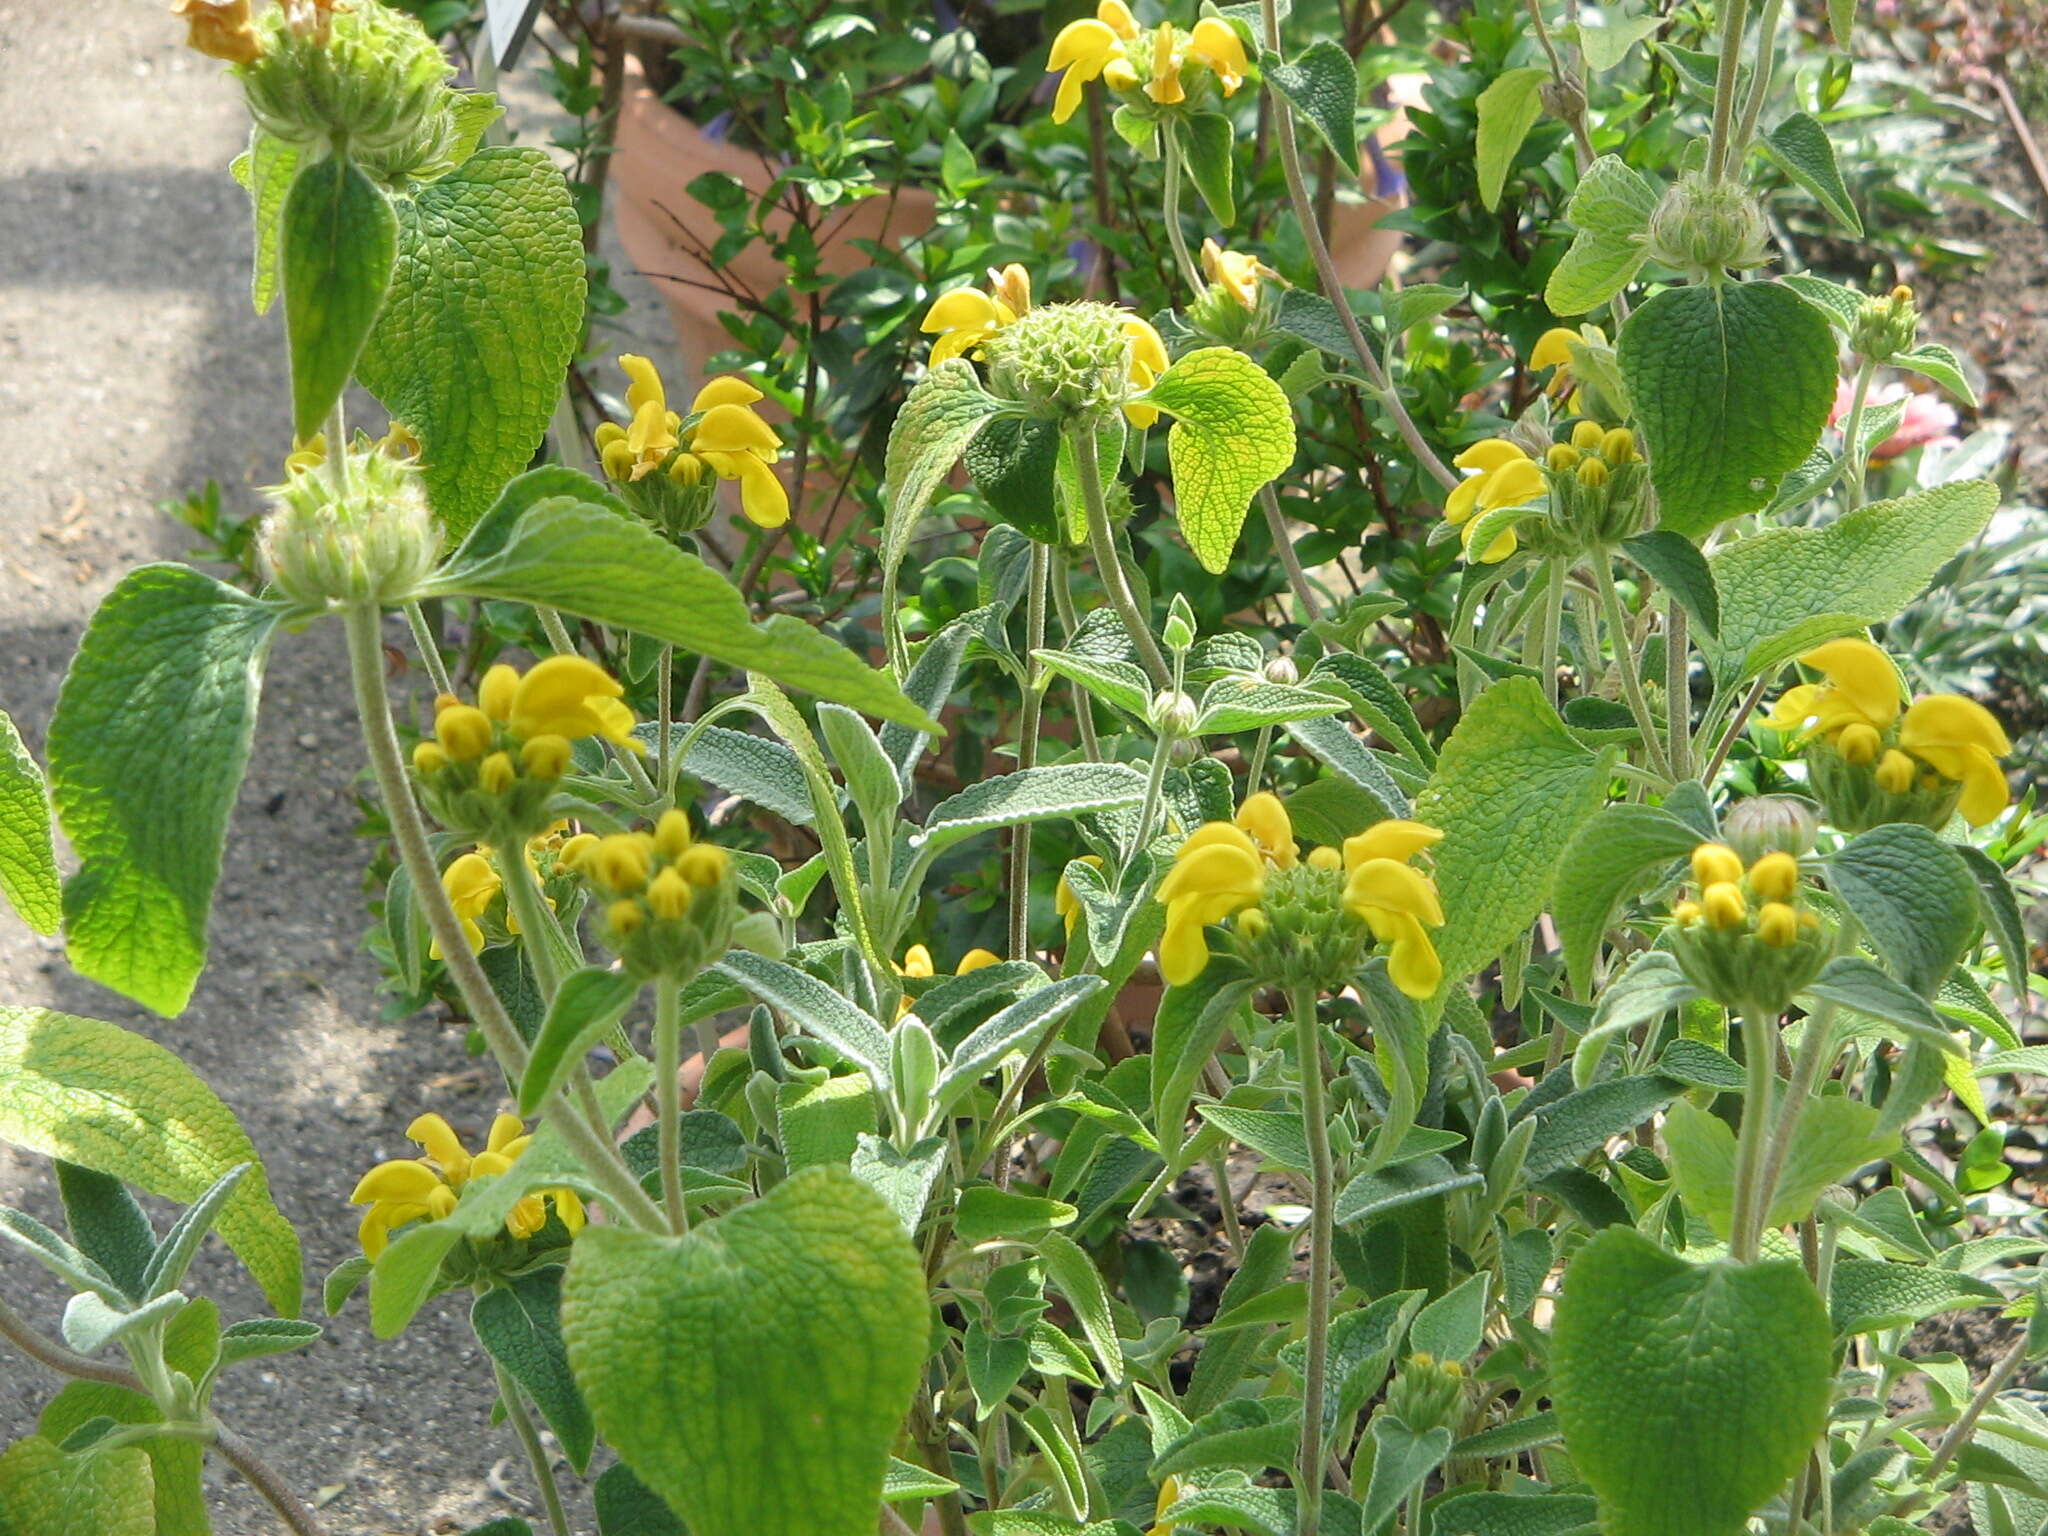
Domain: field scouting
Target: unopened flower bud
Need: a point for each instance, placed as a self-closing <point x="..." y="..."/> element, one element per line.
<point x="1724" y="906"/>
<point x="1282" y="670"/>
<point x="1775" y="876"/>
<point x="444" y="701"/>
<point x="1173" y="714"/>
<point x="497" y="773"/>
<point x="1777" y="924"/>
<point x="1858" y="743"/>
<point x="1587" y="436"/>
<point x="495" y="693"/>
<point x="1704" y="226"/>
<point x="368" y="81"/>
<point x="1686" y="913"/>
<point x="576" y="852"/>
<point x="704" y="864"/>
<point x="672" y="834"/>
<point x="1563" y="458"/>
<point x="1895" y="772"/>
<point x="620" y="863"/>
<point x="1618" y="447"/>
<point x="429" y="757"/>
<point x="464" y="731"/>
<point x="686" y="469"/>
<point x="1252" y="923"/>
<point x="1715" y="864"/>
<point x="1763" y="823"/>
<point x="668" y="896"/>
<point x="1323" y="856"/>
<point x="1592" y="473"/>
<point x="618" y="459"/>
<point x="359" y="532"/>
<point x="624" y="918"/>
<point x="547" y="757"/>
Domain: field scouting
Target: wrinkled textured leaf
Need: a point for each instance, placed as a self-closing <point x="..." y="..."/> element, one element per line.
<point x="939" y="419"/>
<point x="339" y="241"/>
<point x="46" y="1492"/>
<point x="1232" y="432"/>
<point x="28" y="856"/>
<point x="520" y="1323"/>
<point x="1321" y="84"/>
<point x="1051" y="793"/>
<point x="1610" y="212"/>
<point x="1800" y="148"/>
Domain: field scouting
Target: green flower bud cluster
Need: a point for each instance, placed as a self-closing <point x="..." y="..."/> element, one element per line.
<point x="1862" y="789"/>
<point x="1301" y="933"/>
<point x="669" y="903"/>
<point x="1748" y="940"/>
<point x="1599" y="491"/>
<point x="1705" y="227"/>
<point x="1427" y="1393"/>
<point x="367" y="82"/>
<point x="356" y="531"/>
<point x="1885" y="327"/>
<point x="1063" y="360"/>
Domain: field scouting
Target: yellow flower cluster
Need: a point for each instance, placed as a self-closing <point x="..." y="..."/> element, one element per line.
<point x="1942" y="739"/>
<point x="428" y="1188"/>
<point x="1762" y="898"/>
<point x="667" y="896"/>
<point x="1505" y="476"/>
<point x="1227" y="867"/>
<point x="722" y="433"/>
<point x="1110" y="47"/>
<point x="560" y="700"/>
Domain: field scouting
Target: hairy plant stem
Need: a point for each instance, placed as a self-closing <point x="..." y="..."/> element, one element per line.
<point x="547" y="948"/>
<point x="1727" y="75"/>
<point x="1816" y="1053"/>
<point x="1102" y="544"/>
<point x="1155" y="787"/>
<point x="1260" y="748"/>
<point x="1958" y="1434"/>
<point x="429" y="647"/>
<point x="1760" y="77"/>
<point x="1854" y="467"/>
<point x="1569" y="88"/>
<point x="1283" y="546"/>
<point x="1170" y="197"/>
<point x="1032" y="706"/>
<point x="1332" y="284"/>
<point x="1677" y="688"/>
<point x="1070" y="625"/>
<point x="1553" y="630"/>
<point x="1727" y="741"/>
<point x="242" y="1456"/>
<point x="588" y="1136"/>
<point x="1630" y="664"/>
<point x="665" y="716"/>
<point x="536" y="1453"/>
<point x="1309" y="1472"/>
<point x="668" y="1098"/>
<point x="1759" y="1047"/>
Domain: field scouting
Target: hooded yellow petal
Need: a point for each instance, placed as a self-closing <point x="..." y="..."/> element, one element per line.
<point x="917" y="962"/>
<point x="1950" y="720"/>
<point x="646" y="387"/>
<point x="1386" y="886"/>
<point x="1412" y="960"/>
<point x="1117" y="16"/>
<point x="1511" y="485"/>
<point x="975" y="960"/>
<point x="1225" y="832"/>
<point x="470" y="882"/>
<point x="762" y="496"/>
<point x="568" y="1206"/>
<point x="1083" y="46"/>
<point x="379" y="1220"/>
<point x="402" y="1179"/>
<point x="1862" y="677"/>
<point x="729" y="389"/>
<point x="1985" y="792"/>
<point x="553" y="697"/>
<point x="437" y="1137"/>
<point x="1219" y="869"/>
<point x="505" y="1130"/>
<point x="1067" y="99"/>
<point x="1396" y="840"/>
<point x="1183" y="947"/>
<point x="734" y="429"/>
<point x="1265" y="819"/>
<point x="1464" y="498"/>
<point x="1216" y="43"/>
<point x="1553" y="347"/>
<point x="962" y="308"/>
<point x="1795" y="707"/>
<point x="1141" y="415"/>
<point x="1148" y="352"/>
<point x="1495" y="453"/>
<point x="1165" y="86"/>
<point x="955" y="342"/>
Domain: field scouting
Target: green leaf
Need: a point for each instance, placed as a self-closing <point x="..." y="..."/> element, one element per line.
<point x="2001" y="909"/>
<point x="1569" y="1128"/>
<point x="1372" y="1195"/>
<point x="1017" y="1028"/>
<point x="155" y="717"/>
<point x="588" y="1004"/>
<point x="628" y="1507"/>
<point x="99" y="1096"/>
<point x="1239" y="703"/>
<point x="520" y="1322"/>
<point x="1677" y="563"/>
<point x="28" y="855"/>
<point x="1869" y="1295"/>
<point x="870" y="776"/>
<point x="1276" y="1135"/>
<point x="1934" y="361"/>
<point x="1321" y="85"/>
<point x="1402" y="1458"/>
<point x="1836" y="1137"/>
<point x="1191" y="1022"/>
<point x="1841" y="21"/>
<point x="45" y="1491"/>
<point x="107" y="1224"/>
<point x="820" y="1123"/>
<point x="1356" y="763"/>
<point x="939" y="418"/>
<point x="258" y="1338"/>
<point x="1054" y="793"/>
<point x="1610" y="212"/>
<point x="1785" y="590"/>
<point x="265" y="171"/>
<point x="339" y="241"/>
<point x="1511" y="788"/>
<point x="1233" y="432"/>
<point x="814" y="1008"/>
<point x="485" y="313"/>
<point x="1073" y="1274"/>
<point x="1732" y="384"/>
<point x="1606" y="46"/>
<point x="1616" y="855"/>
<point x="1114" y="682"/>
<point x="583" y="559"/>
<point x="1508" y="109"/>
<point x="1799" y="147"/>
<point x="91" y="1323"/>
<point x="1453" y="1326"/>
<point x="1914" y="896"/>
<point x="986" y="1213"/>
<point x="1689" y="1395"/>
<point x="1855" y="983"/>
<point x="167" y="1266"/>
<point x="1515" y="1514"/>
<point x="57" y="1255"/>
<point x="1378" y="701"/>
<point x="1206" y="139"/>
<point x="752" y="767"/>
<point x="755" y="1372"/>
<point x="175" y="1464"/>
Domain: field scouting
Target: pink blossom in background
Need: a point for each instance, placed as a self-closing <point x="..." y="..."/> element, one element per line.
<point x="1928" y="418"/>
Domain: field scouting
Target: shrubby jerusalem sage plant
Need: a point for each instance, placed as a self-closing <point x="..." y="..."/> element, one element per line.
<point x="1588" y="1092"/>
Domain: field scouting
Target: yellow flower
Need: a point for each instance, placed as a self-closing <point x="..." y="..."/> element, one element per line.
<point x="1164" y="87"/>
<point x="1084" y="49"/>
<point x="427" y="1188"/>
<point x="220" y="29"/>
<point x="738" y="445"/>
<point x="1553" y="348"/>
<point x="1857" y="705"/>
<point x="1215" y="43"/>
<point x="1065" y="903"/>
<point x="917" y="963"/>
<point x="1217" y="871"/>
<point x="1148" y="361"/>
<point x="1506" y="477"/>
<point x="964" y="318"/>
<point x="975" y="960"/>
<point x="1396" y="900"/>
<point x="1236" y="272"/>
<point x="571" y="697"/>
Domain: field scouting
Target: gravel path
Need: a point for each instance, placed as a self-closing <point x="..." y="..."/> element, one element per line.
<point x="132" y="370"/>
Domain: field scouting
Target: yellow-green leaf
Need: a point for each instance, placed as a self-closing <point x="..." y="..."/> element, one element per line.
<point x="101" y="1096"/>
<point x="45" y="1491"/>
<point x="1232" y="433"/>
<point x="340" y="239"/>
<point x="28" y="857"/>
